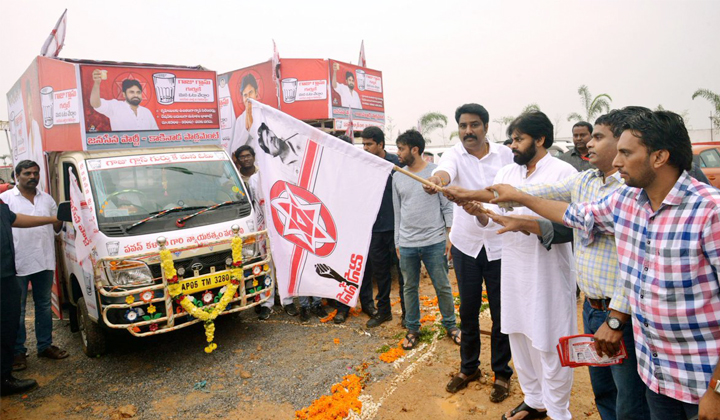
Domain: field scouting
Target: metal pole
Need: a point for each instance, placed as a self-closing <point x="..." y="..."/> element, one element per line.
<point x="711" y="127"/>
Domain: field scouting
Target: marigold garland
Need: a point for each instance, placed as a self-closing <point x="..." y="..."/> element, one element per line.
<point x="344" y="398"/>
<point x="206" y="314"/>
<point x="392" y="355"/>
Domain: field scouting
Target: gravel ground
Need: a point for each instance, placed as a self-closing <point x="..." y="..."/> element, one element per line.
<point x="278" y="361"/>
<point x="260" y="370"/>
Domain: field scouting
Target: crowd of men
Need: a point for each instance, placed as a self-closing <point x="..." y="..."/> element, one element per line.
<point x="624" y="216"/>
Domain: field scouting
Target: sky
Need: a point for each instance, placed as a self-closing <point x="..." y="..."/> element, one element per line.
<point x="434" y="56"/>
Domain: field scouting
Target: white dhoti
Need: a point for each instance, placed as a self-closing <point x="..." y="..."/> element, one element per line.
<point x="545" y="383"/>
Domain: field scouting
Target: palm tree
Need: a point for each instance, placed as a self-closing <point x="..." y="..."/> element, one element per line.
<point x="685" y="115"/>
<point x="714" y="99"/>
<point x="503" y="121"/>
<point x="594" y="106"/>
<point x="431" y="121"/>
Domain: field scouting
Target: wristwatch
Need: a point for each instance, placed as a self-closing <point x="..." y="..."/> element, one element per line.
<point x="715" y="385"/>
<point x="614" y="323"/>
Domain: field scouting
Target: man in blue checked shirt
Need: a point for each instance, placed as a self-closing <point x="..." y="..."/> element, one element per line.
<point x="667" y="232"/>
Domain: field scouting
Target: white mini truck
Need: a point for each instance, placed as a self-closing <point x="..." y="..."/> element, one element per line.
<point x="136" y="189"/>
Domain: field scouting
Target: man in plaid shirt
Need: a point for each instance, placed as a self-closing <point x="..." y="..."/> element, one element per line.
<point x="667" y="232"/>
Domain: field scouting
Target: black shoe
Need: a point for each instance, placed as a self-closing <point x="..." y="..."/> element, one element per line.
<point x="264" y="313"/>
<point x="319" y="311"/>
<point x="304" y="314"/>
<point x="378" y="319"/>
<point x="340" y="317"/>
<point x="371" y="310"/>
<point x="290" y="309"/>
<point x="13" y="385"/>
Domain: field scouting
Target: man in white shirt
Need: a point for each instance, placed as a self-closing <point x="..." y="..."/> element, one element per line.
<point x="241" y="129"/>
<point x="475" y="252"/>
<point x="538" y="285"/>
<point x="34" y="260"/>
<point x="348" y="95"/>
<point x="123" y="116"/>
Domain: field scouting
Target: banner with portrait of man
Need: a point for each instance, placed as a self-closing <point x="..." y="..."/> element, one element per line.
<point x="321" y="197"/>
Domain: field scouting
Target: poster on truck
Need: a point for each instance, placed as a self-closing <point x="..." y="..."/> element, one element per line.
<point x="358" y="90"/>
<point x="302" y="92"/>
<point x="148" y="107"/>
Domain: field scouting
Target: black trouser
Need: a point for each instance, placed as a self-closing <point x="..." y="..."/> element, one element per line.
<point x="378" y="264"/>
<point x="470" y="273"/>
<point x="9" y="322"/>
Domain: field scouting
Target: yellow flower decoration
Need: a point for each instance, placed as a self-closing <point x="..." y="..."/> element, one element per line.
<point x="175" y="290"/>
<point x="151" y="309"/>
<point x="130" y="299"/>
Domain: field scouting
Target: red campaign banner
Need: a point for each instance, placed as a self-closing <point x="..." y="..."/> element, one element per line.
<point x="147" y="99"/>
<point x="356" y="87"/>
<point x="234" y="89"/>
<point x="61" y="113"/>
<point x="257" y="83"/>
<point x="304" y="88"/>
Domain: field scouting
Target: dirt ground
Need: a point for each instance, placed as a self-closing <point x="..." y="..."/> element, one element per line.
<point x="262" y="370"/>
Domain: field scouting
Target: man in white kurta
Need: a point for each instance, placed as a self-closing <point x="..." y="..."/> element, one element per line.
<point x="537" y="285"/>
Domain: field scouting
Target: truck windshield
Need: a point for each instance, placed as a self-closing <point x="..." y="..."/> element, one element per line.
<point x="134" y="189"/>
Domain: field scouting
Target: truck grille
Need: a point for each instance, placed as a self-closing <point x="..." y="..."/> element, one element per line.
<point x="216" y="260"/>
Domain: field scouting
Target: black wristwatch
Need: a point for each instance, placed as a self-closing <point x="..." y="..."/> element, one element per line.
<point x="614" y="323"/>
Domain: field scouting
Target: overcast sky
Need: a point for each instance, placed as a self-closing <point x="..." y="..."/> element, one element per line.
<point x="434" y="56"/>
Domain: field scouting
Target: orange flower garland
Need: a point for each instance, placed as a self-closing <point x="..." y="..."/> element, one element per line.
<point x="344" y="398"/>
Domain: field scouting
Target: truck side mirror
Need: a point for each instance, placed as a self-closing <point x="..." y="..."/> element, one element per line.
<point x="64" y="212"/>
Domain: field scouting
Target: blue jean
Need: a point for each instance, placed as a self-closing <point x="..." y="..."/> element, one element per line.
<point x="663" y="407"/>
<point x="619" y="391"/>
<point x="42" y="296"/>
<point x="433" y="256"/>
<point x="305" y="301"/>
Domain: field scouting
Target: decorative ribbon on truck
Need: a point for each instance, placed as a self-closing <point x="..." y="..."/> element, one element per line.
<point x="321" y="199"/>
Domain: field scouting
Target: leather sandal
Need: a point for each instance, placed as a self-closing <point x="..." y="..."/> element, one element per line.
<point x="53" y="352"/>
<point x="19" y="362"/>
<point x="455" y="335"/>
<point x="460" y="381"/>
<point x="532" y="413"/>
<point x="501" y="390"/>
<point x="411" y="338"/>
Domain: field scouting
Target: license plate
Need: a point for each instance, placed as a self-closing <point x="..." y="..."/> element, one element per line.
<point x="209" y="281"/>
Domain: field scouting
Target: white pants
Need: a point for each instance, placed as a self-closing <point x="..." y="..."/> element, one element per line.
<point x="545" y="383"/>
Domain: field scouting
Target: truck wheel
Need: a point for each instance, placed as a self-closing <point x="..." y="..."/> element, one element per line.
<point x="74" y="327"/>
<point x="93" y="337"/>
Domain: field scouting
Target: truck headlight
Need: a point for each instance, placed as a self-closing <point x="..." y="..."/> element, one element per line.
<point x="129" y="273"/>
<point x="249" y="250"/>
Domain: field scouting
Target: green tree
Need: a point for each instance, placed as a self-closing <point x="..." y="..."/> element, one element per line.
<point x="714" y="99"/>
<point x="504" y="121"/>
<point x="431" y="121"/>
<point x="685" y="114"/>
<point x="593" y="106"/>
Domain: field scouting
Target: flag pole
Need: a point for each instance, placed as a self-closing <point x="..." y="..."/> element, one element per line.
<point x="424" y="181"/>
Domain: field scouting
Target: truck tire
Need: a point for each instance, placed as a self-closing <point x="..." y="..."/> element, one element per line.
<point x="94" y="338"/>
<point x="74" y="326"/>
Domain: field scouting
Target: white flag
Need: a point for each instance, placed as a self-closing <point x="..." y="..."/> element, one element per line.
<point x="361" y="58"/>
<point x="56" y="40"/>
<point x="83" y="220"/>
<point x="321" y="199"/>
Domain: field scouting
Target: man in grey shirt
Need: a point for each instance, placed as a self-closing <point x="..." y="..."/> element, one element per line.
<point x="578" y="156"/>
<point x="422" y="222"/>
